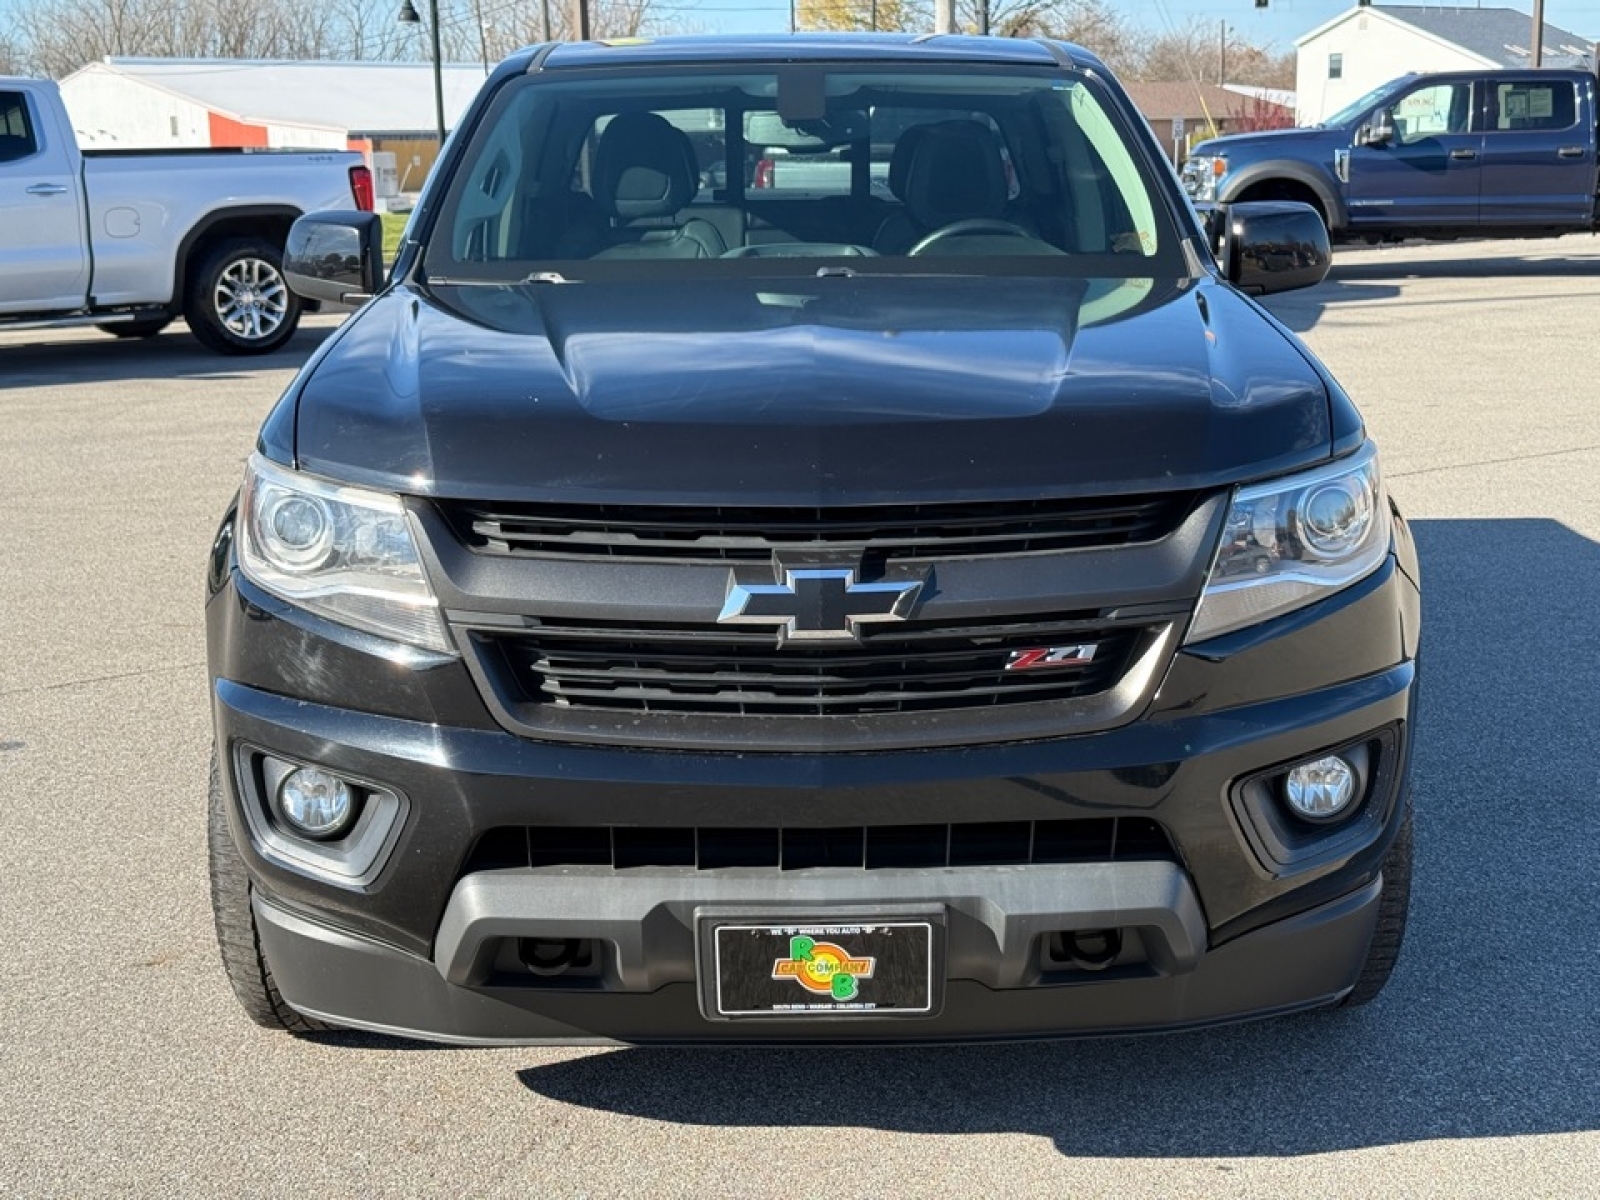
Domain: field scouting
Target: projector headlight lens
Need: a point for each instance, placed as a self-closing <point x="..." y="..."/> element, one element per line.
<point x="1294" y="541"/>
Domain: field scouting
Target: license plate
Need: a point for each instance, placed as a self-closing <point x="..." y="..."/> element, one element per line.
<point x="838" y="967"/>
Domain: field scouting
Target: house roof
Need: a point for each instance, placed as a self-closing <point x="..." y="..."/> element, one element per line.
<point x="1191" y="101"/>
<point x="1501" y="36"/>
<point x="358" y="97"/>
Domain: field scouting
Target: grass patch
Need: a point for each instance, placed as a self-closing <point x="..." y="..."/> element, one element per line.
<point x="394" y="225"/>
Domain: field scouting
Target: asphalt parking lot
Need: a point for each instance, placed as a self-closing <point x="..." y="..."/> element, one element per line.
<point x="127" y="1069"/>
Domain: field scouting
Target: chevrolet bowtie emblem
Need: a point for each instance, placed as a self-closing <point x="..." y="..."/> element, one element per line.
<point x="817" y="605"/>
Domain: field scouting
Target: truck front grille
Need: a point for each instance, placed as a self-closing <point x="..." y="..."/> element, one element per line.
<point x="869" y="847"/>
<point x="752" y="534"/>
<point x="695" y="670"/>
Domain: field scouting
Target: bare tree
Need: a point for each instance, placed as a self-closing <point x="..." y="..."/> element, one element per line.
<point x="55" y="37"/>
<point x="1093" y="24"/>
<point x="11" y="58"/>
<point x="1194" y="52"/>
<point x="888" y="16"/>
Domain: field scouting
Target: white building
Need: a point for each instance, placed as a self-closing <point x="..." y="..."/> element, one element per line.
<point x="163" y="103"/>
<point x="1343" y="60"/>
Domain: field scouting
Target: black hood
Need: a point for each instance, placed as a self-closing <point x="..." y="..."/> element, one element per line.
<point x="810" y="391"/>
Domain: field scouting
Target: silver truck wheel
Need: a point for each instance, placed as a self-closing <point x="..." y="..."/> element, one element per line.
<point x="238" y="301"/>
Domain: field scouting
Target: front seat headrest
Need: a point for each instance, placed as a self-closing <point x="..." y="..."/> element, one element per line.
<point x="644" y="167"/>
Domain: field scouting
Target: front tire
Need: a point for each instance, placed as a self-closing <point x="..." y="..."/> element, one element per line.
<point x="238" y="302"/>
<point x="1394" y="903"/>
<point x="243" y="960"/>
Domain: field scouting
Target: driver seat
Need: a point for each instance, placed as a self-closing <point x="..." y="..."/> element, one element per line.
<point x="955" y="173"/>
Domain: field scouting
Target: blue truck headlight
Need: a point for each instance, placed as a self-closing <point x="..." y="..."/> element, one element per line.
<point x="1202" y="174"/>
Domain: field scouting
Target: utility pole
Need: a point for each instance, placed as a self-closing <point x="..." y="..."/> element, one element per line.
<point x="544" y="20"/>
<point x="1222" y="57"/>
<point x="1538" y="34"/>
<point x="483" y="34"/>
<point x="438" y="68"/>
<point x="581" y="31"/>
<point x="944" y="16"/>
<point x="410" y="16"/>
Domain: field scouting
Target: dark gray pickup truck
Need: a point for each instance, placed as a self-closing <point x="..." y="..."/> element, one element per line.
<point x="672" y="612"/>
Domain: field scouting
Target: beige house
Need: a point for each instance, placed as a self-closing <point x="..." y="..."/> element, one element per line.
<point x="1204" y="110"/>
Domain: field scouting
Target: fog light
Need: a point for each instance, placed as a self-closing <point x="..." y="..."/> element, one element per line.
<point x="1321" y="790"/>
<point x="315" y="803"/>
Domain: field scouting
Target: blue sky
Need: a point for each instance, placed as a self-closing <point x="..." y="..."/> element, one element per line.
<point x="1277" y="25"/>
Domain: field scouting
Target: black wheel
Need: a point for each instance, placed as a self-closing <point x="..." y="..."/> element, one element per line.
<point x="237" y="300"/>
<point x="1393" y="904"/>
<point x="242" y="959"/>
<point x="136" y="329"/>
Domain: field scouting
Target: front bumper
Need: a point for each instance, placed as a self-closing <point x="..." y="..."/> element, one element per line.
<point x="1301" y="962"/>
<point x="1227" y="932"/>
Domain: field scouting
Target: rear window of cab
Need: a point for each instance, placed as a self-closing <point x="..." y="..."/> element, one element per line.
<point x="591" y="174"/>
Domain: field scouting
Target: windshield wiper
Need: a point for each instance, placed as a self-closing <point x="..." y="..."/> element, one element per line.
<point x="548" y="277"/>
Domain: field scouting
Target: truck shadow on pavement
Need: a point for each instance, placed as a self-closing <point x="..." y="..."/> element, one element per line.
<point x="1396" y="264"/>
<point x="1488" y="1028"/>
<point x="1375" y="277"/>
<point x="88" y="357"/>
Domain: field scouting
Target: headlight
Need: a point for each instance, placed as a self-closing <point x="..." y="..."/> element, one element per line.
<point x="1201" y="174"/>
<point x="1293" y="541"/>
<point x="344" y="552"/>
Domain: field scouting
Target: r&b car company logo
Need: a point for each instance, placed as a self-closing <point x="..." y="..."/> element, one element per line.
<point x="823" y="968"/>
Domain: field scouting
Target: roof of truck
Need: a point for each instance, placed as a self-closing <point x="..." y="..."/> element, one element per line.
<point x="812" y="47"/>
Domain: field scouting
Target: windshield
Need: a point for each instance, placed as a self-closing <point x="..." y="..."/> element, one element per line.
<point x="796" y="169"/>
<point x="1350" y="112"/>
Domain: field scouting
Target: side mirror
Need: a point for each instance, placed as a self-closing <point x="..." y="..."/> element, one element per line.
<point x="1377" y="132"/>
<point x="335" y="257"/>
<point x="1275" y="246"/>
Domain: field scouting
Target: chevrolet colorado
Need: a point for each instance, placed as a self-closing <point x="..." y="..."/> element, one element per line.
<point x="679" y="614"/>
<point x="129" y="240"/>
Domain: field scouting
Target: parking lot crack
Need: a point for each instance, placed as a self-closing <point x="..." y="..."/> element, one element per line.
<point x="72" y="683"/>
<point x="1492" y="462"/>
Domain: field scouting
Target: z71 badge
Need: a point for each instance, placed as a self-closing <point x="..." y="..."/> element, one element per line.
<point x="1050" y="656"/>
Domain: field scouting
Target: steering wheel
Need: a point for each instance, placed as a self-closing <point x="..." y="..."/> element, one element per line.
<point x="962" y="228"/>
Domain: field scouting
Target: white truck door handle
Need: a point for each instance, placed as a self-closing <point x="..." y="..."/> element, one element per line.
<point x="47" y="189"/>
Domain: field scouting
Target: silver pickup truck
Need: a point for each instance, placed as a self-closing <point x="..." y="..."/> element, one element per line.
<point x="129" y="240"/>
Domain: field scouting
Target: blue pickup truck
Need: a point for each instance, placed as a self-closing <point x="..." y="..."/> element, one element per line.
<point x="1508" y="153"/>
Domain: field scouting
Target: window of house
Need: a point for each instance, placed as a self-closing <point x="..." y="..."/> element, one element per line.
<point x="1335" y="66"/>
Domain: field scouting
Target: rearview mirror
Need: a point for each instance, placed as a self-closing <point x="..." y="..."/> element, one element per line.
<point x="1274" y="246"/>
<point x="335" y="256"/>
<point x="769" y="130"/>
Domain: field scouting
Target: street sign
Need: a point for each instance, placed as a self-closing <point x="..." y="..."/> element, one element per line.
<point x="1177" y="127"/>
